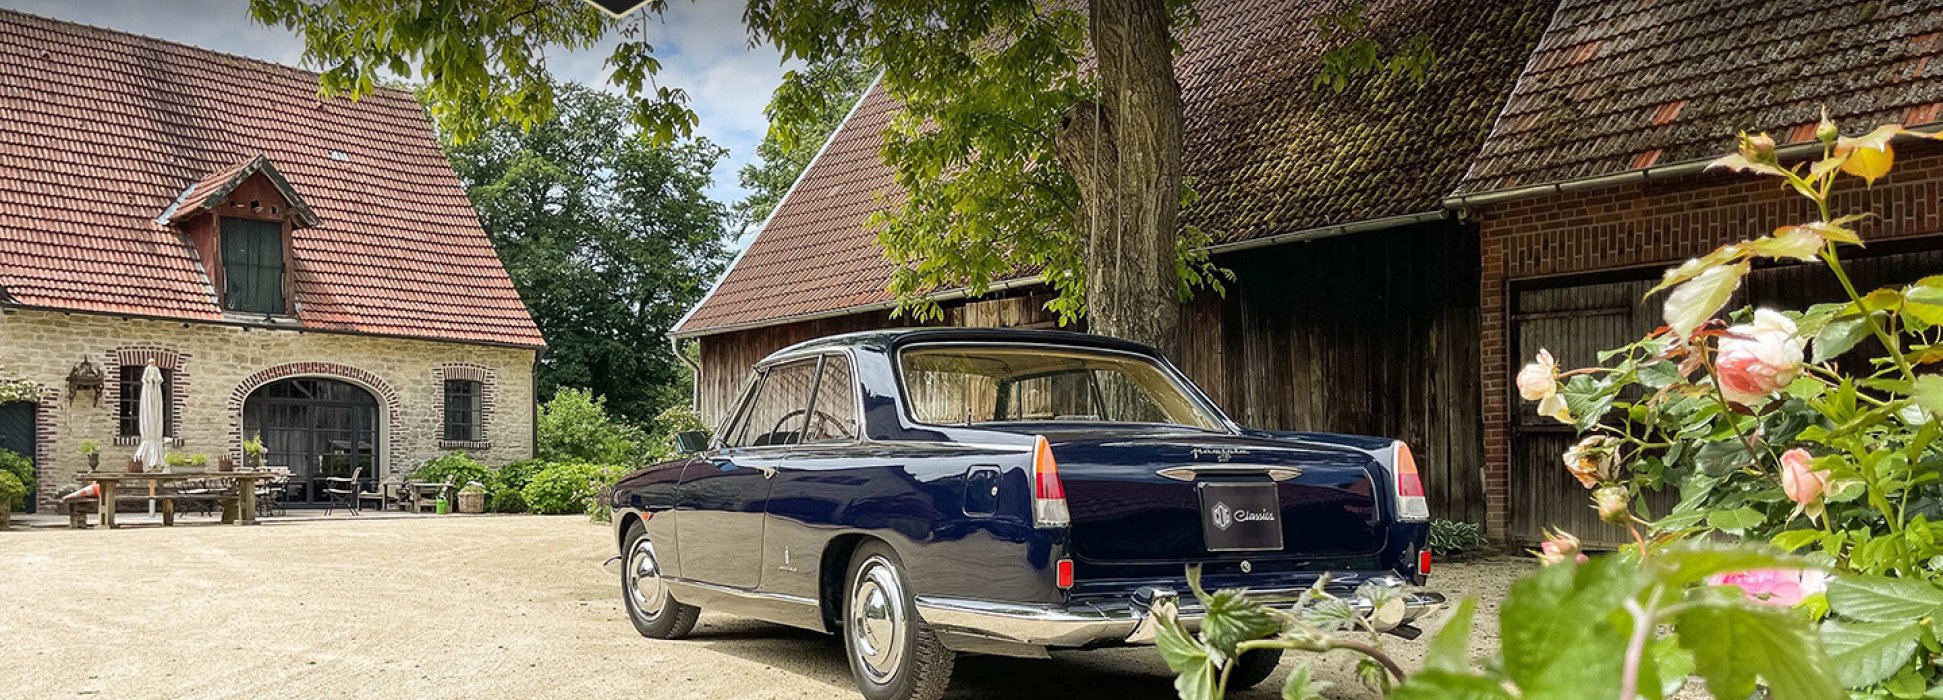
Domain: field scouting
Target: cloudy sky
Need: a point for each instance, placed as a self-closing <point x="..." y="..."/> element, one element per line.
<point x="701" y="45"/>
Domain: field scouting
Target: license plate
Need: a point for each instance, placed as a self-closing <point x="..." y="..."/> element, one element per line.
<point x="1240" y="517"/>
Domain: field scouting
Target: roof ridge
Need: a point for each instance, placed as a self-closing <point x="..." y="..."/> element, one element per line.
<point x="75" y="28"/>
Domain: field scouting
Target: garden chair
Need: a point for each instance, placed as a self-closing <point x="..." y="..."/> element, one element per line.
<point x="342" y="491"/>
<point x="425" y="494"/>
<point x="271" y="492"/>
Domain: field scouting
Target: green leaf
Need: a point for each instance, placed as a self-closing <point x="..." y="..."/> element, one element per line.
<point x="1838" y="337"/>
<point x="1883" y="599"/>
<point x="1451" y="649"/>
<point x="1737" y="520"/>
<point x="1692" y="563"/>
<point x="1233" y="618"/>
<point x="1721" y="457"/>
<point x="1735" y="644"/>
<point x="1925" y="302"/>
<point x="1929" y="393"/>
<point x="1674" y="663"/>
<point x="1696" y="300"/>
<point x="1188" y="659"/>
<point x="1301" y="686"/>
<point x="1796" y="539"/>
<point x="1864" y="654"/>
<point x="1547" y="659"/>
<point x="1432" y="684"/>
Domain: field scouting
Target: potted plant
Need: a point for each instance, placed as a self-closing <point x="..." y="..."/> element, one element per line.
<point x="472" y="498"/>
<point x="93" y="452"/>
<point x="186" y="463"/>
<point x="11" y="494"/>
<point x="253" y="452"/>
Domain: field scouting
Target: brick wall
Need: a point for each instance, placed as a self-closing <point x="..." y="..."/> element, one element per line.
<point x="1647" y="226"/>
<point x="228" y="362"/>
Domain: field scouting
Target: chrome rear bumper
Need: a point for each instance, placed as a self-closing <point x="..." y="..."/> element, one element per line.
<point x="1132" y="621"/>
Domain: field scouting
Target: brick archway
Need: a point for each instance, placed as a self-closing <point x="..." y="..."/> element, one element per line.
<point x="378" y="387"/>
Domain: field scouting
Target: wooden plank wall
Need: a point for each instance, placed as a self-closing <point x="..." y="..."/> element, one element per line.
<point x="1373" y="333"/>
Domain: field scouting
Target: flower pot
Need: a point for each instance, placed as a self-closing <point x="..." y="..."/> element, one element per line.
<point x="472" y="501"/>
<point x="94" y="461"/>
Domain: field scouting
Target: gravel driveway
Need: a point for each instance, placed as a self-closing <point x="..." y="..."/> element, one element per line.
<point x="500" y="607"/>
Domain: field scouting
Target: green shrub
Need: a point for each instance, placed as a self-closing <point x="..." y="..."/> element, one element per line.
<point x="518" y="474"/>
<point x="600" y="508"/>
<point x="561" y="487"/>
<point x="1449" y="537"/>
<point x="18" y="466"/>
<point x="575" y="427"/>
<point x="12" y="491"/>
<point x="676" y="419"/>
<point x="505" y="499"/>
<point x="178" y="460"/>
<point x="460" y="467"/>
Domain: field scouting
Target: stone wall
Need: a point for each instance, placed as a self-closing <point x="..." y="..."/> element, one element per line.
<point x="217" y="366"/>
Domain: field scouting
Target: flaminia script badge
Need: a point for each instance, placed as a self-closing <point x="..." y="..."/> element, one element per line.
<point x="617" y="7"/>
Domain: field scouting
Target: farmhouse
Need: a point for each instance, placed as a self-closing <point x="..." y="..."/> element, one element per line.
<point x="1399" y="246"/>
<point x="303" y="270"/>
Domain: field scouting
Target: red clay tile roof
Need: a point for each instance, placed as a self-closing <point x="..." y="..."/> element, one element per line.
<point x="1271" y="154"/>
<point x="1621" y="84"/>
<point x="105" y="130"/>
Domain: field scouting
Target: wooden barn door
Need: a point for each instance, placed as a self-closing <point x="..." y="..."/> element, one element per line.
<point x="17" y="435"/>
<point x="1577" y="321"/>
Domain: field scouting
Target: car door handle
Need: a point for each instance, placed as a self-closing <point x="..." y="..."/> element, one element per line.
<point x="768" y="470"/>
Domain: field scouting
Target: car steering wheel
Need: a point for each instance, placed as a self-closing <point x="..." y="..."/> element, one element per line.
<point x="825" y="423"/>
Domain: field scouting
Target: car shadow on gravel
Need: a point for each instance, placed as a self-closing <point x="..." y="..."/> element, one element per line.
<point x="1112" y="674"/>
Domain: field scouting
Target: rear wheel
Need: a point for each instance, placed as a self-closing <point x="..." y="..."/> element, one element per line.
<point x="653" y="610"/>
<point x="893" y="655"/>
<point x="1253" y="667"/>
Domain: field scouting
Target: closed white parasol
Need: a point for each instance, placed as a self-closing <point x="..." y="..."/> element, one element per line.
<point x="149" y="417"/>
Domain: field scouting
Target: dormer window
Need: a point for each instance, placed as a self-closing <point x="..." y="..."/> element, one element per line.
<point x="239" y="220"/>
<point x="253" y="266"/>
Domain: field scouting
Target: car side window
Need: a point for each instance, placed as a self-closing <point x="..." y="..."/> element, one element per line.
<point x="776" y="413"/>
<point x="835" y="417"/>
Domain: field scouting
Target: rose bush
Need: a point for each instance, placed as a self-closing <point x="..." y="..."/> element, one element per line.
<point x="1814" y="429"/>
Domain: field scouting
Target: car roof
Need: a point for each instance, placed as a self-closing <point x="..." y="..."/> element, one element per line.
<point x="887" y="340"/>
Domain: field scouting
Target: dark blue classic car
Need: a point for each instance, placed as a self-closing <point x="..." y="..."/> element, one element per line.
<point x="930" y="492"/>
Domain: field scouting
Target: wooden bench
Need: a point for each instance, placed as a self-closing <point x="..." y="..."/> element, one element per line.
<point x="79" y="509"/>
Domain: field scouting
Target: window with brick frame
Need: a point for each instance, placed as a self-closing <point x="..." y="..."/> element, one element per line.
<point x="128" y="409"/>
<point x="463" y="411"/>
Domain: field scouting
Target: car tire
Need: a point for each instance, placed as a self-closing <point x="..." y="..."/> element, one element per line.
<point x="1253" y="667"/>
<point x="650" y="605"/>
<point x="893" y="655"/>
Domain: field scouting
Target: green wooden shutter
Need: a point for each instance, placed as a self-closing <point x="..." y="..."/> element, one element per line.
<point x="253" y="266"/>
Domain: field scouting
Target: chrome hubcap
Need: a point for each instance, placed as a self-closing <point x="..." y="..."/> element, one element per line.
<point x="643" y="578"/>
<point x="876" y="622"/>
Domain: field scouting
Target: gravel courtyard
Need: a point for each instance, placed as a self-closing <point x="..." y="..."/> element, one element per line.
<point x="503" y="607"/>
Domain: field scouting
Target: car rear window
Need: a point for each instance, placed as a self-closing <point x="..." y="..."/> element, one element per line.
<point x="981" y="384"/>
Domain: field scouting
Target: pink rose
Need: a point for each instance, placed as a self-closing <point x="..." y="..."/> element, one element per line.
<point x="1799" y="479"/>
<point x="1538" y="380"/>
<point x="1558" y="547"/>
<point x="1755" y="360"/>
<point x="1782" y="587"/>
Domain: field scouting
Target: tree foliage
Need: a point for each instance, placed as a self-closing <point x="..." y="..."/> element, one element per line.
<point x="482" y="63"/>
<point x="609" y="238"/>
<point x="828" y="90"/>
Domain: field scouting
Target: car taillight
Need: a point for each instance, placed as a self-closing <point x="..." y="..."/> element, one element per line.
<point x="1411" y="505"/>
<point x="1048" y="495"/>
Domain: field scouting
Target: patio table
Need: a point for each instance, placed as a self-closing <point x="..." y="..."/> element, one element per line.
<point x="245" y="489"/>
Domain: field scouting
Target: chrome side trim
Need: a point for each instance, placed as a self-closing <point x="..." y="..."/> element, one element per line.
<point x="706" y="590"/>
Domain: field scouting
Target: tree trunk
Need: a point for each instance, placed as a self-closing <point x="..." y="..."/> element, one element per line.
<point x="1125" y="153"/>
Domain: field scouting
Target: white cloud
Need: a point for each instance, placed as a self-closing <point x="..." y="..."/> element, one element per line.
<point x="702" y="46"/>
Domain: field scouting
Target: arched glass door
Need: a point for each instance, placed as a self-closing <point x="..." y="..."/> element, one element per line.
<point x="319" y="428"/>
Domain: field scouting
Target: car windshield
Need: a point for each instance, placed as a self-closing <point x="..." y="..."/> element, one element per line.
<point x="978" y="384"/>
